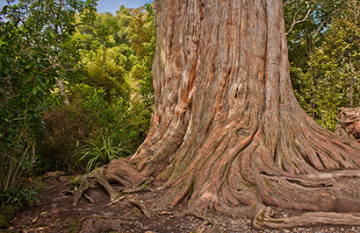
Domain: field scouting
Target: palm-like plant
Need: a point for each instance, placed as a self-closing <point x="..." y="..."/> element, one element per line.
<point x="98" y="153"/>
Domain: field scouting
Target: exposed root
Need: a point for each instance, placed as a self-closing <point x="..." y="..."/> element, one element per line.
<point x="37" y="229"/>
<point x="80" y="188"/>
<point x="83" y="184"/>
<point x="89" y="198"/>
<point x="136" y="189"/>
<point x="264" y="219"/>
<point x="102" y="180"/>
<point x="116" y="201"/>
<point x="142" y="207"/>
<point x="118" y="170"/>
<point x="124" y="173"/>
<point x="263" y="216"/>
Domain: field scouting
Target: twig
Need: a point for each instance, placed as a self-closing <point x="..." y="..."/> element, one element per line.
<point x="116" y="201"/>
<point x="135" y="190"/>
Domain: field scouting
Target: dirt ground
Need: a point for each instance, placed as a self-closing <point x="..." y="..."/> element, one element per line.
<point x="56" y="213"/>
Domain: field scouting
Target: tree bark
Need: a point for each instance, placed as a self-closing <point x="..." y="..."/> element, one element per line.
<point x="349" y="123"/>
<point x="227" y="133"/>
<point x="62" y="91"/>
<point x="312" y="95"/>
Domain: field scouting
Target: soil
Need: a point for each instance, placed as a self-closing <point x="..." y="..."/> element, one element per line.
<point x="56" y="213"/>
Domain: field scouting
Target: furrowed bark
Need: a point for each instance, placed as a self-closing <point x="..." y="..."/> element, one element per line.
<point x="349" y="122"/>
<point x="227" y="133"/>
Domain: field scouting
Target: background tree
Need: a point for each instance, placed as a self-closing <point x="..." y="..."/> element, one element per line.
<point x="107" y="102"/>
<point x="308" y="25"/>
<point x="336" y="65"/>
<point x="36" y="53"/>
<point x="143" y="38"/>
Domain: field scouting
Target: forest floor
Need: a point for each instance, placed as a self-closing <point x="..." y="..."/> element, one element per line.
<point x="56" y="213"/>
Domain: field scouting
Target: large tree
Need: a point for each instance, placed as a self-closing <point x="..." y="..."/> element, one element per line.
<point x="227" y="133"/>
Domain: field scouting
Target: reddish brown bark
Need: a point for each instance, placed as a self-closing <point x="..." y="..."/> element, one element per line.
<point x="227" y="133"/>
<point x="349" y="123"/>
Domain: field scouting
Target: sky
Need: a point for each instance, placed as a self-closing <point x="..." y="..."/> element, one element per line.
<point x="114" y="5"/>
<point x="109" y="5"/>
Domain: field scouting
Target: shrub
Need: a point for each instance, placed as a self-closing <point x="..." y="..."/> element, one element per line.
<point x="96" y="153"/>
<point x="67" y="128"/>
<point x="20" y="196"/>
<point x="91" y="120"/>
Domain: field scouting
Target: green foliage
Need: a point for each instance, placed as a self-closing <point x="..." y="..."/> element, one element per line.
<point x="36" y="51"/>
<point x="13" y="168"/>
<point x="323" y="44"/>
<point x="106" y="68"/>
<point x="103" y="117"/>
<point x="143" y="37"/>
<point x="67" y="128"/>
<point x="7" y="213"/>
<point x="18" y="196"/>
<point x="62" y="50"/>
<point x="90" y="115"/>
<point x="115" y="97"/>
<point x="105" y="58"/>
<point x="336" y="67"/>
<point x="96" y="153"/>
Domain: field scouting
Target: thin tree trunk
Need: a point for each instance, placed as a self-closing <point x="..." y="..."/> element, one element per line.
<point x="351" y="90"/>
<point x="352" y="82"/>
<point x="62" y="91"/>
<point x="312" y="96"/>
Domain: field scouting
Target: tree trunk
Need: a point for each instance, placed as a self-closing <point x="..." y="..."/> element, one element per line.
<point x="62" y="91"/>
<point x="312" y="96"/>
<point x="227" y="133"/>
<point x="349" y="123"/>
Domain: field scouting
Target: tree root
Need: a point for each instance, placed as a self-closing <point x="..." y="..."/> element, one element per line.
<point x="263" y="216"/>
<point x="136" y="190"/>
<point x="120" y="171"/>
<point x="142" y="207"/>
<point x="264" y="219"/>
<point x="89" y="198"/>
<point x="116" y="201"/>
<point x="124" y="173"/>
<point x="102" y="180"/>
<point x="79" y="189"/>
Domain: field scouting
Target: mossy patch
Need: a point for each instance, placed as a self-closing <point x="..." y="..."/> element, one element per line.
<point x="6" y="214"/>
